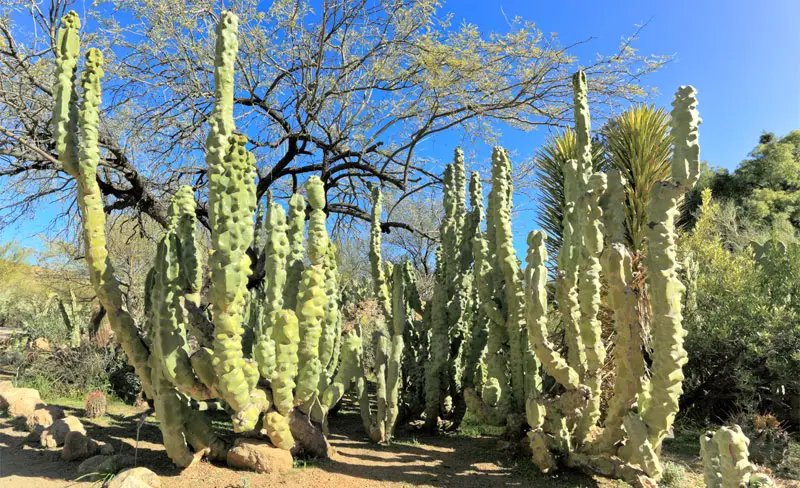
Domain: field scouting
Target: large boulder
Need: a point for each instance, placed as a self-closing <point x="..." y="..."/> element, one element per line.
<point x="20" y="402"/>
<point x="78" y="446"/>
<point x="56" y="434"/>
<point x="136" y="478"/>
<point x="43" y="417"/>
<point x="260" y="456"/>
<point x="5" y="385"/>
<point x="101" y="465"/>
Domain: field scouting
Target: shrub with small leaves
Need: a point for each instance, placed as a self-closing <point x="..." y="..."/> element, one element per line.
<point x="769" y="441"/>
<point x="95" y="405"/>
<point x="674" y="476"/>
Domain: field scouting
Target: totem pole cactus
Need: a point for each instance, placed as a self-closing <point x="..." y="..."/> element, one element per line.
<point x="564" y="429"/>
<point x="294" y="309"/>
<point x="451" y="313"/>
<point x="725" y="460"/>
<point x="389" y="352"/>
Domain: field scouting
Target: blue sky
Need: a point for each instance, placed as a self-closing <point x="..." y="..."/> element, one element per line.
<point x="742" y="56"/>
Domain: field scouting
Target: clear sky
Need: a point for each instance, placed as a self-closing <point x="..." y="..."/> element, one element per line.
<point x="743" y="56"/>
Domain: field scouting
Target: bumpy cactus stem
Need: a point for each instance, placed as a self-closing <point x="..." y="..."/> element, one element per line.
<point x="375" y="259"/>
<point x="90" y="201"/>
<point x="395" y="356"/>
<point x="666" y="289"/>
<point x="725" y="460"/>
<point x="311" y="298"/>
<point x="65" y="117"/>
<point x="294" y="261"/>
<point x="349" y="373"/>
<point x="589" y="297"/>
<point x="507" y="259"/>
<point x="277" y="249"/>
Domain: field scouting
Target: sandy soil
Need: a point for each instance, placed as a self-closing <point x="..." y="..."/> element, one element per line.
<point x="414" y="460"/>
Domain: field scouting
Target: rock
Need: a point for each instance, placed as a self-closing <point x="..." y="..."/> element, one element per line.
<point x="36" y="434"/>
<point x="309" y="437"/>
<point x="43" y="417"/>
<point x="77" y="446"/>
<point x="136" y="478"/>
<point x="260" y="456"/>
<point x="101" y="465"/>
<point x="20" y="402"/>
<point x="56" y="434"/>
<point x="5" y="385"/>
<point x="41" y="344"/>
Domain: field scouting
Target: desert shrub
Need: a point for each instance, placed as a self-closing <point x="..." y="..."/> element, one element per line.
<point x="769" y="441"/>
<point x="71" y="373"/>
<point x="743" y="326"/>
<point x="674" y="476"/>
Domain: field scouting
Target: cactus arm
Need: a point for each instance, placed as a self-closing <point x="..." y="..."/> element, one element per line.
<point x="628" y="359"/>
<point x="65" y="119"/>
<point x="168" y="331"/>
<point x="589" y="291"/>
<point x="328" y="342"/>
<point x="381" y="361"/>
<point x="507" y="259"/>
<point x="312" y="299"/>
<point x="294" y="261"/>
<point x="439" y="349"/>
<point x="277" y="427"/>
<point x="734" y="467"/>
<point x="496" y="388"/>
<point x="349" y="371"/>
<point x="710" y="456"/>
<point x="231" y="206"/>
<point x="277" y="250"/>
<point x="90" y="201"/>
<point x="396" y="355"/>
<point x="286" y="334"/>
<point x="170" y="411"/>
<point x="666" y="289"/>
<point x="375" y="259"/>
<point x="536" y="314"/>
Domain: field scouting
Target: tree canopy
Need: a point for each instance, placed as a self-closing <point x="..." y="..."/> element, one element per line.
<point x="346" y="89"/>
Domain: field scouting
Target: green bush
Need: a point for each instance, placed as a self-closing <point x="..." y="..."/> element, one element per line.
<point x="73" y="373"/>
<point x="743" y="323"/>
<point x="674" y="476"/>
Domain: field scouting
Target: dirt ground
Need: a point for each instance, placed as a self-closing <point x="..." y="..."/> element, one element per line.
<point x="412" y="460"/>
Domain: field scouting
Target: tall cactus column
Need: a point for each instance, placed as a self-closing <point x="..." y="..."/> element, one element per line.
<point x="311" y="298"/>
<point x="666" y="289"/>
<point x="90" y="201"/>
<point x="507" y="260"/>
<point x="232" y="203"/>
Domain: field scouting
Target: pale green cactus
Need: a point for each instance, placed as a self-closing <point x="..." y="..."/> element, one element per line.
<point x="375" y="259"/>
<point x="665" y="289"/>
<point x="311" y="297"/>
<point x="725" y="460"/>
<point x="294" y="261"/>
<point x="589" y="290"/>
<point x="65" y="119"/>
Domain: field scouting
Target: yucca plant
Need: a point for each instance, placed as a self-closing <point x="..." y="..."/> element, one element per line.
<point x="549" y="163"/>
<point x="638" y="145"/>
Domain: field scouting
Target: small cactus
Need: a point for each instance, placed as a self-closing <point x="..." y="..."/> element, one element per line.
<point x="95" y="405"/>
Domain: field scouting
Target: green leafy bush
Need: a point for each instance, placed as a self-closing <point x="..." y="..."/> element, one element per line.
<point x="743" y="323"/>
<point x="73" y="373"/>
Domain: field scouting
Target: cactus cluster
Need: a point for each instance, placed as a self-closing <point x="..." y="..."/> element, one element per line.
<point x="398" y="303"/>
<point x="481" y="342"/>
<point x="293" y="312"/>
